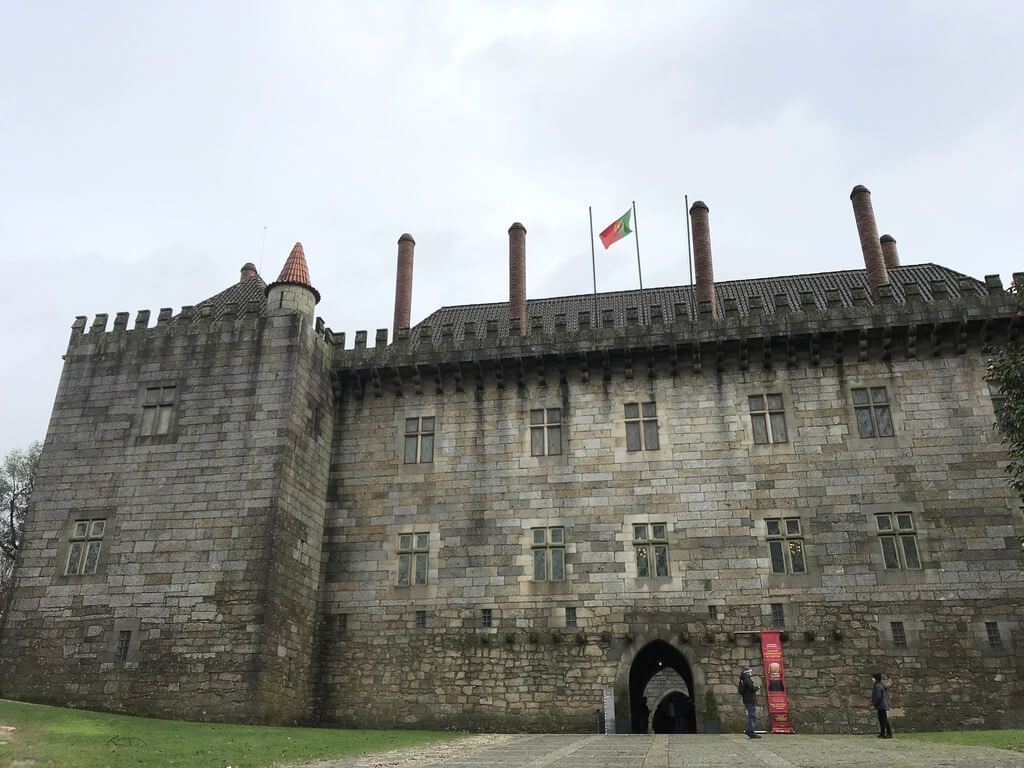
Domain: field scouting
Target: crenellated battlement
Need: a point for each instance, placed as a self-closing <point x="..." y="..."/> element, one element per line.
<point x="833" y="326"/>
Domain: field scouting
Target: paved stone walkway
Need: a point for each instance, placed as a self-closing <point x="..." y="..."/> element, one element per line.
<point x="576" y="751"/>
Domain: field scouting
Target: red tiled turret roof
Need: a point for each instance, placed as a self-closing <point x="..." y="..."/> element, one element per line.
<point x="295" y="271"/>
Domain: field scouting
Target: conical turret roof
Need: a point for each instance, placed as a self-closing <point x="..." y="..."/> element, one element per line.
<point x="295" y="272"/>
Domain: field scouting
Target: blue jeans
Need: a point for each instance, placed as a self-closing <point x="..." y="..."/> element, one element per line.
<point x="751" y="718"/>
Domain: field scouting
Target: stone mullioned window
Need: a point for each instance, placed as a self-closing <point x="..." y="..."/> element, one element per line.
<point x="548" y="550"/>
<point x="545" y="431"/>
<point x="413" y="554"/>
<point x="641" y="426"/>
<point x="898" y="538"/>
<point x="157" y="411"/>
<point x="785" y="545"/>
<point x="871" y="408"/>
<point x="650" y="547"/>
<point x="84" y="551"/>
<point x="768" y="418"/>
<point x="419" y="440"/>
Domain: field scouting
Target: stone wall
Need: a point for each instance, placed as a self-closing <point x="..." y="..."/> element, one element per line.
<point x="713" y="488"/>
<point x="194" y="541"/>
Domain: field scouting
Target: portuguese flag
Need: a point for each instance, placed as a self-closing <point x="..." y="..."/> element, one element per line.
<point x="617" y="230"/>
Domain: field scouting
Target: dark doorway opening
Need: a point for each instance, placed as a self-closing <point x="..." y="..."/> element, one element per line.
<point x="674" y="712"/>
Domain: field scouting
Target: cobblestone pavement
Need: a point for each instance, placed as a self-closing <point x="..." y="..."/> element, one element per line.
<point x="576" y="751"/>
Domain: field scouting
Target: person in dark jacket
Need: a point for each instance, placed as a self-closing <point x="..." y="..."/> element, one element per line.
<point x="880" y="701"/>
<point x="748" y="692"/>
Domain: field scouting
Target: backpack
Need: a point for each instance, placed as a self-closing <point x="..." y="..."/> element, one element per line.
<point x="739" y="687"/>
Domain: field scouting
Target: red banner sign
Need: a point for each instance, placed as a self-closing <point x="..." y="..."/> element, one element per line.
<point x="775" y="683"/>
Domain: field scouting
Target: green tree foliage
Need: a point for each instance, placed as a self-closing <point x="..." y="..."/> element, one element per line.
<point x="1006" y="371"/>
<point x="17" y="475"/>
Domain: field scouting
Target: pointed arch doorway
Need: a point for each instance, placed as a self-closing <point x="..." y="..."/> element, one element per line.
<point x="658" y="689"/>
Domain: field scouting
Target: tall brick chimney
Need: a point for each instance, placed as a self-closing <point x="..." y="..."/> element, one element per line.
<point x="248" y="272"/>
<point x="869" y="242"/>
<point x="702" y="266"/>
<point x="889" y="252"/>
<point x="517" y="274"/>
<point x="403" y="284"/>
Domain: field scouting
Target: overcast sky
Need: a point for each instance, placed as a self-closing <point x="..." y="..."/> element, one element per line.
<point x="144" y="147"/>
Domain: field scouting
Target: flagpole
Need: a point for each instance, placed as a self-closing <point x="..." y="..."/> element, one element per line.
<point x="636" y="238"/>
<point x="593" y="265"/>
<point x="689" y="251"/>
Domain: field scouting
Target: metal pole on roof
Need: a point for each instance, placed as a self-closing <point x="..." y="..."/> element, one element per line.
<point x="689" y="249"/>
<point x="593" y="263"/>
<point x="636" y="238"/>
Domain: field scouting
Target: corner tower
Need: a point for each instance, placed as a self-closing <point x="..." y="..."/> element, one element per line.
<point x="292" y="291"/>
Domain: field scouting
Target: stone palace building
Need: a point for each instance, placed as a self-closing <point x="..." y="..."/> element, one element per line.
<point x="509" y="514"/>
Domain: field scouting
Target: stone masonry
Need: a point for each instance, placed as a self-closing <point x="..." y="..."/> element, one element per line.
<point x="273" y="554"/>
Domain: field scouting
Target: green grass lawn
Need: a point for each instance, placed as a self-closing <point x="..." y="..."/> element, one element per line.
<point x="51" y="736"/>
<point x="1010" y="739"/>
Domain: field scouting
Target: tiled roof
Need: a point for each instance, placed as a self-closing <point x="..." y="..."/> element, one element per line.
<point x="544" y="310"/>
<point x="251" y="290"/>
<point x="295" y="271"/>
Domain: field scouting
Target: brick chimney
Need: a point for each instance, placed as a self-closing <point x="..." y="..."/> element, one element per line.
<point x="403" y="284"/>
<point x="517" y="274"/>
<point x="869" y="242"/>
<point x="889" y="252"/>
<point x="248" y="272"/>
<point x="702" y="266"/>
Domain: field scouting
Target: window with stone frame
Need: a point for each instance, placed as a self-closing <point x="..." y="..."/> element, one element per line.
<point x="157" y="411"/>
<point x="419" y="440"/>
<point x="650" y="547"/>
<point x="898" y="633"/>
<point x="421" y="619"/>
<point x="778" y="611"/>
<point x="998" y="399"/>
<point x="871" y="408"/>
<point x="768" y="418"/>
<point x="785" y="545"/>
<point x="413" y="554"/>
<point x="85" y="546"/>
<point x="548" y="547"/>
<point x="641" y="426"/>
<point x="486" y="618"/>
<point x="713" y="612"/>
<point x="992" y="633"/>
<point x="545" y="431"/>
<point x="570" y="617"/>
<point x="124" y="642"/>
<point x="897" y="537"/>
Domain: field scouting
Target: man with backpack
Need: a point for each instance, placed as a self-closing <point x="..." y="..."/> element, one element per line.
<point x="747" y="690"/>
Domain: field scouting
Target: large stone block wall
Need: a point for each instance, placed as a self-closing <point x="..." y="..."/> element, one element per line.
<point x="713" y="488"/>
<point x="193" y="534"/>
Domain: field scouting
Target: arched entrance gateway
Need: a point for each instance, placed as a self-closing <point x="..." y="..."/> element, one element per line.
<point x="658" y="688"/>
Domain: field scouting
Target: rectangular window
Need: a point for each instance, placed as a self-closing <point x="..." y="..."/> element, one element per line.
<point x="768" y="418"/>
<point x="421" y="619"/>
<point x="998" y="399"/>
<point x="419" y="440"/>
<point x="650" y="545"/>
<point x="641" y="427"/>
<point x="546" y="432"/>
<point x="124" y="641"/>
<point x="548" y="554"/>
<point x="899" y="634"/>
<point x="871" y="407"/>
<point x="570" y="617"/>
<point x="995" y="640"/>
<point x="486" y="618"/>
<point x="157" y="408"/>
<point x="84" y="552"/>
<point x="778" y="616"/>
<point x="785" y="545"/>
<point x="341" y="623"/>
<point x="317" y="417"/>
<point x="898" y="539"/>
<point x="413" y="552"/>
<point x="712" y="612"/>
